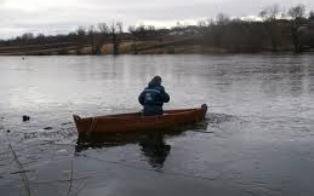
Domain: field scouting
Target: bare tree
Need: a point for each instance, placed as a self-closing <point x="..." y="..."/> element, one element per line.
<point x="263" y="14"/>
<point x="116" y="29"/>
<point x="274" y="11"/>
<point x="81" y="31"/>
<point x="81" y="34"/>
<point x="297" y="14"/>
<point x="222" y="19"/>
<point x="311" y="15"/>
<point x="297" y="11"/>
<point x="103" y="28"/>
<point x="91" y="33"/>
<point x="40" y="38"/>
<point x="27" y="36"/>
<point x="202" y="23"/>
<point x="119" y="27"/>
<point x="270" y="13"/>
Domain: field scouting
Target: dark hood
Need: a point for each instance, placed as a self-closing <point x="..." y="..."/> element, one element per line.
<point x="154" y="83"/>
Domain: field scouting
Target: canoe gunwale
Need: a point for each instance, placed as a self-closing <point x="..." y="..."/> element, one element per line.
<point x="138" y="114"/>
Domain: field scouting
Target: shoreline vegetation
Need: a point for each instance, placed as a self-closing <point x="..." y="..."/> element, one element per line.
<point x="276" y="31"/>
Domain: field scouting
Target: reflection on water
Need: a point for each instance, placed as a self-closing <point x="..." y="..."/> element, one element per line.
<point x="155" y="149"/>
<point x="151" y="143"/>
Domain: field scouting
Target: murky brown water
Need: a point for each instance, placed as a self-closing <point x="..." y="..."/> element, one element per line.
<point x="259" y="138"/>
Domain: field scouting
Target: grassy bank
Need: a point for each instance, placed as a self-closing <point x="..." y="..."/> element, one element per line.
<point x="180" y="46"/>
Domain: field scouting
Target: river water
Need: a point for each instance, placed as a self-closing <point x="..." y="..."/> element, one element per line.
<point x="258" y="138"/>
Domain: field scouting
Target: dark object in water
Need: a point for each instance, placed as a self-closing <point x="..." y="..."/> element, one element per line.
<point x="8" y="131"/>
<point x="136" y="122"/>
<point x="48" y="128"/>
<point x="21" y="171"/>
<point x="26" y="118"/>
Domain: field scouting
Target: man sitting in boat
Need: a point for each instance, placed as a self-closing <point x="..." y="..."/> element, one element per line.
<point x="153" y="97"/>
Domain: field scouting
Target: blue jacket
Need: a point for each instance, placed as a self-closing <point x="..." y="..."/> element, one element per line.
<point x="152" y="98"/>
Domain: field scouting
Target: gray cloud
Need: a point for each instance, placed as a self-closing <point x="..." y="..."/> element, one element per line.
<point x="50" y="17"/>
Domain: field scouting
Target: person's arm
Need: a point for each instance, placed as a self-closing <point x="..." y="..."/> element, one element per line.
<point x="141" y="98"/>
<point x="165" y="96"/>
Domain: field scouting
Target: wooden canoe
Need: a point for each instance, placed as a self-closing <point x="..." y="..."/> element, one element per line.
<point x="136" y="122"/>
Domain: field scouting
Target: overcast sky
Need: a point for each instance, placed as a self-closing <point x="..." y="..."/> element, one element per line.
<point x="62" y="16"/>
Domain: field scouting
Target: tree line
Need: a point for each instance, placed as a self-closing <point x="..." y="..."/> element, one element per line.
<point x="274" y="30"/>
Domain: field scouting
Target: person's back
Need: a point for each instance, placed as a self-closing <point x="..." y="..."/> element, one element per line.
<point x="153" y="97"/>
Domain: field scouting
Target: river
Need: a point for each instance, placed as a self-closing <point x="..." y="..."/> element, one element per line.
<point x="258" y="138"/>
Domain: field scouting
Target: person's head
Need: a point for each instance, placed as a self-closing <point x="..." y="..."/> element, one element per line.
<point x="156" y="80"/>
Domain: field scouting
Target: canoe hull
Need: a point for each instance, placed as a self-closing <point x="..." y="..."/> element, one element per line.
<point x="135" y="122"/>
